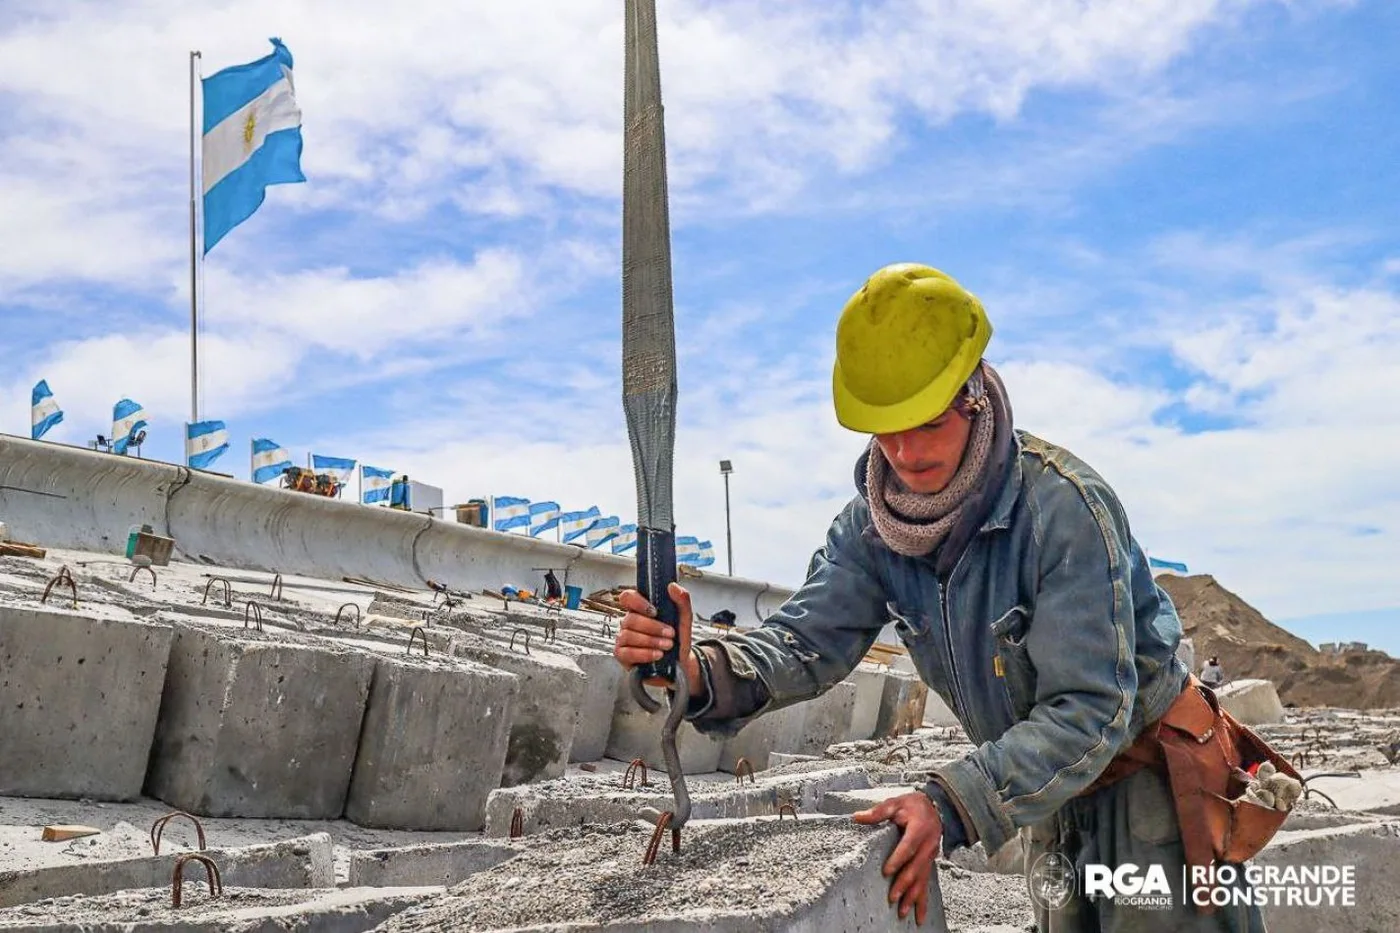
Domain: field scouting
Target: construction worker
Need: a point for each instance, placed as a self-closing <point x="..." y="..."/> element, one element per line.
<point x="1009" y="569"/>
<point x="1212" y="674"/>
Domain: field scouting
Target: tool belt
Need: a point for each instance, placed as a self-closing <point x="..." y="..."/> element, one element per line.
<point x="1204" y="753"/>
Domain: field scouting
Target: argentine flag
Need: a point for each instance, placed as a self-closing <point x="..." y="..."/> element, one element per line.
<point x="687" y="550"/>
<point x="205" y="442"/>
<point x="626" y="539"/>
<point x="127" y="418"/>
<point x="543" y="516"/>
<point x="602" y="531"/>
<point x="706" y="555"/>
<point x="511" y="512"/>
<point x="252" y="139"/>
<point x="269" y="460"/>
<point x="576" y="524"/>
<point x="338" y="467"/>
<point x="375" y="484"/>
<point x="1175" y="568"/>
<point x="45" y="412"/>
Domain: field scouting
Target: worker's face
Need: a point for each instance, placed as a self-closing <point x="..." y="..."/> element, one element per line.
<point x="925" y="458"/>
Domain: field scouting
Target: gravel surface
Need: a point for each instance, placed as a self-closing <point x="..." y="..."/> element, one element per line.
<point x="756" y="869"/>
<point x="148" y="904"/>
<point x="980" y="899"/>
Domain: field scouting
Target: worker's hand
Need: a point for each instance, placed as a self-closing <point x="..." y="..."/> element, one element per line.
<point x="642" y="638"/>
<point x="912" y="861"/>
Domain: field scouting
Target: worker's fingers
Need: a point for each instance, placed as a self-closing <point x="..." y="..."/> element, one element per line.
<point x="633" y="601"/>
<point x="910" y="889"/>
<point x="681" y="598"/>
<point x="632" y="638"/>
<point x="910" y="842"/>
<point x="876" y="814"/>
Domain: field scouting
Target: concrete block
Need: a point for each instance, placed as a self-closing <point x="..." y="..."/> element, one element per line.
<point x="842" y="803"/>
<point x="637" y="734"/>
<point x="444" y="863"/>
<point x="433" y="744"/>
<point x="869" y="682"/>
<point x="805" y="876"/>
<point x="1373" y="792"/>
<point x="240" y="910"/>
<point x="80" y="693"/>
<point x="901" y="705"/>
<point x="550" y="691"/>
<point x="826" y="721"/>
<point x="601" y="799"/>
<point x="1252" y="702"/>
<point x="1373" y="849"/>
<point x="1186" y="654"/>
<point x="937" y="712"/>
<point x="255" y="725"/>
<point x="757" y="740"/>
<point x="304" y="862"/>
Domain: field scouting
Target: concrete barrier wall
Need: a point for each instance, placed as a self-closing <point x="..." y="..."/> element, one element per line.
<point x="59" y="496"/>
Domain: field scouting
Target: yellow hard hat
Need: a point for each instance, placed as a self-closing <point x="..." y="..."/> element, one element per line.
<point x="905" y="344"/>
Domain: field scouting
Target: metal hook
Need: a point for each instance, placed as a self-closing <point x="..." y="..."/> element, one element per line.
<point x="256" y="610"/>
<point x="158" y="829"/>
<point x="354" y="606"/>
<point x="136" y="570"/>
<point x="276" y="587"/>
<point x="412" y="636"/>
<point x="63" y="576"/>
<point x="655" y="843"/>
<point x="680" y="699"/>
<point x="517" y="823"/>
<point x="228" y="592"/>
<point x="741" y="767"/>
<point x="629" y="777"/>
<point x="216" y="884"/>
<point x="520" y="631"/>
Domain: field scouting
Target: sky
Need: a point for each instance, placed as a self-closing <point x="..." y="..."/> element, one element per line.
<point x="1183" y="218"/>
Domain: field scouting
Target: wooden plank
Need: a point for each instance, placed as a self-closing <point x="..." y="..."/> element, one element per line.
<point x="63" y="831"/>
<point x="16" y="549"/>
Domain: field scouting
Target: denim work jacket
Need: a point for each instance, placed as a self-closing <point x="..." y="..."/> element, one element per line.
<point x="1049" y="640"/>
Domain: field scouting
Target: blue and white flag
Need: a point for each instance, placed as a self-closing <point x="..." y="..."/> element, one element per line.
<point x="269" y="460"/>
<point x="339" y="467"/>
<point x="44" y="412"/>
<point x="543" y="516"/>
<point x="375" y="484"/>
<point x="511" y="512"/>
<point x="602" y="531"/>
<point x="205" y="442"/>
<point x="687" y="550"/>
<point x="576" y="524"/>
<point x="1176" y="568"/>
<point x="127" y="419"/>
<point x="252" y="139"/>
<point x="626" y="539"/>
<point x="706" y="555"/>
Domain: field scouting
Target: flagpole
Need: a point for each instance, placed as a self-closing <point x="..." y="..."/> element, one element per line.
<point x="194" y="251"/>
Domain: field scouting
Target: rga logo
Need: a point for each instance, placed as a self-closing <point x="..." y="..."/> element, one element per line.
<point x="1129" y="886"/>
<point x="1051" y="881"/>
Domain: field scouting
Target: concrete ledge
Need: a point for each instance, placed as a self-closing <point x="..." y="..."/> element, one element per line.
<point x="443" y="863"/>
<point x="80" y="693"/>
<point x="304" y="862"/>
<point x="1252" y="702"/>
<point x="1372" y="848"/>
<point x="901" y="705"/>
<point x="240" y="910"/>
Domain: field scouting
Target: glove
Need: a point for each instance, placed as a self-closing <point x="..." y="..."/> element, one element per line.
<point x="1272" y="788"/>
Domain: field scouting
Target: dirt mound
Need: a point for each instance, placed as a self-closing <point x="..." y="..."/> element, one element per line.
<point x="1220" y="623"/>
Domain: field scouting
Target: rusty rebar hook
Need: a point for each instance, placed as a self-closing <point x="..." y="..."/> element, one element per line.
<point x="63" y="576"/>
<point x="517" y="823"/>
<point x="216" y="883"/>
<point x="412" y="636"/>
<point x="228" y="592"/>
<point x="786" y="808"/>
<point x="551" y="632"/>
<point x="629" y="777"/>
<point x="520" y="631"/>
<point x="655" y="844"/>
<point x="256" y="611"/>
<point x="607" y="629"/>
<point x="358" y="615"/>
<point x="138" y="569"/>
<point x="741" y="767"/>
<point x="276" y="587"/>
<point x="158" y="829"/>
<point x="889" y="757"/>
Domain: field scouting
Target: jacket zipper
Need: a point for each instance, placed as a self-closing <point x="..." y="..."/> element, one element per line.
<point x="948" y="637"/>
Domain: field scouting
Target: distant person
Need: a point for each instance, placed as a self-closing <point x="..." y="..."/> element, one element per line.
<point x="1008" y="567"/>
<point x="1213" y="675"/>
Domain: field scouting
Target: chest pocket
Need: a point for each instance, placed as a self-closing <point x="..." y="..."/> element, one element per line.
<point x="1014" y="659"/>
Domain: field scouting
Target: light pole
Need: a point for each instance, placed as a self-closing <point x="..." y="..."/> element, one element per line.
<point x="725" y="468"/>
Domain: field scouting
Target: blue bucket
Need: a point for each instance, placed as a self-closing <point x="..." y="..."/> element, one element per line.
<point x="573" y="595"/>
